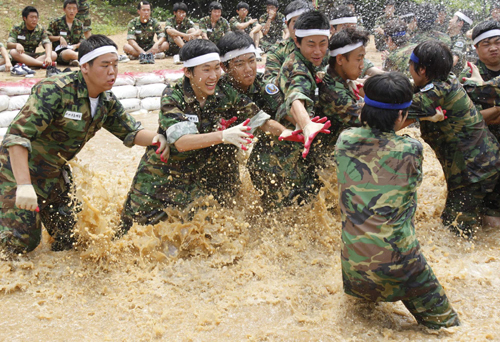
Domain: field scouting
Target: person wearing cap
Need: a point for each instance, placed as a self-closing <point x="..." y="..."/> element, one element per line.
<point x="214" y="26"/>
<point x="426" y="26"/>
<point x="277" y="55"/>
<point x="244" y="22"/>
<point x="273" y="25"/>
<point x="459" y="24"/>
<point x="180" y="29"/>
<point x="62" y="113"/>
<point x="25" y="38"/>
<point x="66" y="34"/>
<point x="467" y="151"/>
<point x="203" y="148"/>
<point x="399" y="49"/>
<point x="378" y="30"/>
<point x="140" y="36"/>
<point x="378" y="173"/>
<point x="84" y="16"/>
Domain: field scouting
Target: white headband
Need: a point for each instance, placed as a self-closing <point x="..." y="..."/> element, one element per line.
<point x="345" y="49"/>
<point x="96" y="53"/>
<point x="345" y="20"/>
<point x="296" y="13"/>
<point x="407" y="15"/>
<point x="209" y="57"/>
<point x="463" y="17"/>
<point x="314" y="32"/>
<point x="487" y="34"/>
<point x="236" y="53"/>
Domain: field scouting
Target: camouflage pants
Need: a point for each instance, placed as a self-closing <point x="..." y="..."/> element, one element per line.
<point x="21" y="230"/>
<point x="410" y="280"/>
<point x="465" y="206"/>
<point x="267" y="43"/>
<point x="280" y="174"/>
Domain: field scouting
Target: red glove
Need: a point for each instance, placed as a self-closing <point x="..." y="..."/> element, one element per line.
<point x="311" y="131"/>
<point x="225" y="124"/>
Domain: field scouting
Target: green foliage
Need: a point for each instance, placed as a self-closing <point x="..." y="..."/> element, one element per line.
<point x="161" y="14"/>
<point x="108" y="29"/>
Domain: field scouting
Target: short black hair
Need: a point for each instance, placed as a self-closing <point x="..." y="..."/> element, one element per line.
<point x="272" y="3"/>
<point x="27" y="10"/>
<point x="408" y="12"/>
<point x="390" y="2"/>
<point x="342" y="11"/>
<point x="390" y="87"/>
<point x="426" y="17"/>
<point x="95" y="41"/>
<point x="195" y="48"/>
<point x="349" y="2"/>
<point x="233" y="40"/>
<point x="483" y="27"/>
<point x="435" y="57"/>
<point x="180" y="6"/>
<point x="241" y="5"/>
<point x="311" y="20"/>
<point x="466" y="26"/>
<point x="345" y="37"/>
<point x="143" y="3"/>
<point x="69" y="2"/>
<point x="297" y="5"/>
<point x="214" y="5"/>
<point x="397" y="30"/>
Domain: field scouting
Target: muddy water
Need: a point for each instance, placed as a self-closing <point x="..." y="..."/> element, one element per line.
<point x="230" y="274"/>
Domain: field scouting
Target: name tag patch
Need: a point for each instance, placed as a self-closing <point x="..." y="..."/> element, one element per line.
<point x="73" y="115"/>
<point x="138" y="32"/>
<point x="192" y="118"/>
<point x="21" y="37"/>
<point x="209" y="30"/>
<point x="63" y="33"/>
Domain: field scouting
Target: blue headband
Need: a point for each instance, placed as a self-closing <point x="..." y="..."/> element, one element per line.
<point x="383" y="105"/>
<point x="398" y="34"/>
<point x="414" y="58"/>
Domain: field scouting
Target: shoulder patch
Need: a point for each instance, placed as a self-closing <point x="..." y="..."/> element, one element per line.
<point x="427" y="87"/>
<point x="271" y="89"/>
<point x="459" y="44"/>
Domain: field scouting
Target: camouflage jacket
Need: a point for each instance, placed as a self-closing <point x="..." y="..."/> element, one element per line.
<point x="297" y="81"/>
<point x="486" y="74"/>
<point x="54" y="125"/>
<point x="83" y="6"/>
<point x="378" y="174"/>
<point x="398" y="60"/>
<point x="185" y="25"/>
<point x="144" y="34"/>
<point x="460" y="45"/>
<point x="276" y="57"/>
<point x="236" y="20"/>
<point x="29" y="40"/>
<point x="421" y="37"/>
<point x="339" y="104"/>
<point x="466" y="149"/>
<point x="276" y="29"/>
<point x="214" y="34"/>
<point x="59" y="27"/>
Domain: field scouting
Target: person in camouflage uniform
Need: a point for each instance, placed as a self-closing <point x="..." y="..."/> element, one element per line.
<point x="61" y="115"/>
<point x="141" y="33"/>
<point x="243" y="22"/>
<point x="426" y="26"/>
<point x="378" y="173"/>
<point x="466" y="149"/>
<point x="460" y="44"/>
<point x="5" y="58"/>
<point x="380" y="22"/>
<point x="84" y="16"/>
<point x="494" y="11"/>
<point x="25" y="38"/>
<point x="277" y="55"/>
<point x="213" y="26"/>
<point x="399" y="49"/>
<point x="273" y="25"/>
<point x="180" y="29"/>
<point x="66" y="33"/>
<point x="202" y="158"/>
<point x="442" y="19"/>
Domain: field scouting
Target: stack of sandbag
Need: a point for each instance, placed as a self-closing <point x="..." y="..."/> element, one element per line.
<point x="13" y="96"/>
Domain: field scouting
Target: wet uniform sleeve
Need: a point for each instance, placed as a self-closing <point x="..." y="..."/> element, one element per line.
<point x="13" y="35"/>
<point x="34" y="117"/>
<point x="339" y="105"/>
<point x="299" y="87"/>
<point x="121" y="124"/>
<point x="244" y="108"/>
<point x="173" y="122"/>
<point x="425" y="102"/>
<point x="273" y="66"/>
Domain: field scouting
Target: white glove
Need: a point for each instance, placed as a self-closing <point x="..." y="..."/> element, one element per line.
<point x="237" y="135"/>
<point x="475" y="77"/>
<point x="163" y="147"/>
<point x="26" y="197"/>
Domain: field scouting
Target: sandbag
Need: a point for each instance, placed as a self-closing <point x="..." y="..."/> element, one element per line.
<point x="170" y="76"/>
<point x="151" y="90"/>
<point x="131" y="105"/>
<point x="17" y="102"/>
<point x="7" y="117"/>
<point x="139" y="112"/>
<point x="125" y="92"/>
<point x="151" y="103"/>
<point x="3" y="131"/>
<point x="123" y="80"/>
<point x="148" y="78"/>
<point x="4" y="102"/>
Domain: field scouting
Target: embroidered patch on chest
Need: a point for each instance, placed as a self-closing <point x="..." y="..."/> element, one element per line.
<point x="271" y="89"/>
